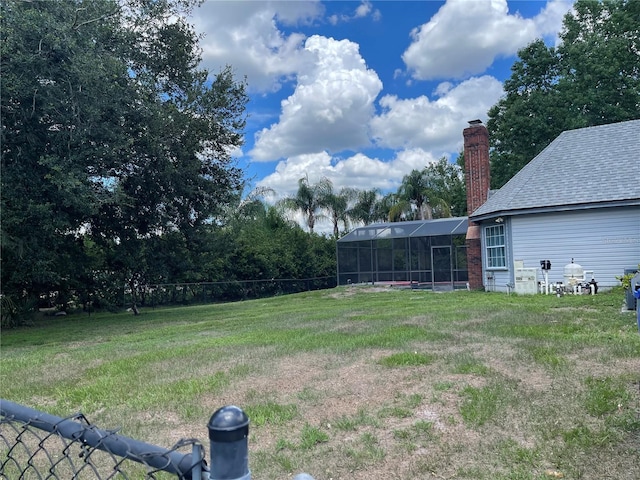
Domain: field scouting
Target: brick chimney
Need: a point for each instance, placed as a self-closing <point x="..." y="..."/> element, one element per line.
<point x="477" y="175"/>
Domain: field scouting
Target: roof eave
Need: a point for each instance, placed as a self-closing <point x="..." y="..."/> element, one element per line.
<point x="553" y="209"/>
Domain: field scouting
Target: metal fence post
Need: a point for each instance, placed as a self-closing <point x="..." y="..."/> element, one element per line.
<point x="196" y="453"/>
<point x="635" y="284"/>
<point x="229" y="444"/>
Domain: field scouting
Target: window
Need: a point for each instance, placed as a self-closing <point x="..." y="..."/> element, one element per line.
<point x="494" y="244"/>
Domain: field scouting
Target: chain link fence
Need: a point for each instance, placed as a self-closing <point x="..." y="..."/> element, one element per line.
<point x="37" y="445"/>
<point x="227" y="291"/>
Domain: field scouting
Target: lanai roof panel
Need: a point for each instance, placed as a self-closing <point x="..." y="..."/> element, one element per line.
<point x="418" y="228"/>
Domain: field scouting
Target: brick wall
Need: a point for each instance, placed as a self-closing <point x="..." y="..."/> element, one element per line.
<point x="477" y="175"/>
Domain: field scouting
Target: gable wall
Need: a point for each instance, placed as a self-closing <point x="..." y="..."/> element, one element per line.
<point x="605" y="240"/>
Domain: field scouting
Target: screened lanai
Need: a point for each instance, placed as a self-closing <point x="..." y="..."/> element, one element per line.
<point x="422" y="254"/>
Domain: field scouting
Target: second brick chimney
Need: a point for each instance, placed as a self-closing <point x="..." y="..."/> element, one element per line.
<point x="477" y="175"/>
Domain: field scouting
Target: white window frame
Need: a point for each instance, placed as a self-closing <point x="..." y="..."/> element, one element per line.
<point x="495" y="247"/>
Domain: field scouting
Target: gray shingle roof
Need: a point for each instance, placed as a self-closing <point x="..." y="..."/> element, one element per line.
<point x="583" y="168"/>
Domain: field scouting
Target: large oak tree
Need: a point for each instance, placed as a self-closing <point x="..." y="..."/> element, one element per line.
<point x="111" y="132"/>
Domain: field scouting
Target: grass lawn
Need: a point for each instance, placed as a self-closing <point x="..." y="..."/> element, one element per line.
<point x="359" y="382"/>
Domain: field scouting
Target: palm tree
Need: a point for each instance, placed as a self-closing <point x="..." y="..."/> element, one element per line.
<point x="390" y="208"/>
<point x="337" y="204"/>
<point x="418" y="188"/>
<point x="448" y="181"/>
<point x="414" y="189"/>
<point x="367" y="207"/>
<point x="309" y="199"/>
<point x="396" y="207"/>
<point x="252" y="206"/>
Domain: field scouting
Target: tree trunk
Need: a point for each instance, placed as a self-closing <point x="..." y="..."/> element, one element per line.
<point x="134" y="296"/>
<point x="429" y="210"/>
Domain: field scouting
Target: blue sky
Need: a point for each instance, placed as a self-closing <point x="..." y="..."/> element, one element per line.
<point x="362" y="92"/>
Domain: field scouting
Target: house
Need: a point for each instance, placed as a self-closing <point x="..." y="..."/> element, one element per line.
<point x="577" y="201"/>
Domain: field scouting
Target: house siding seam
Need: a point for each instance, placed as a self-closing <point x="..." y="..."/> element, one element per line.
<point x="563" y="208"/>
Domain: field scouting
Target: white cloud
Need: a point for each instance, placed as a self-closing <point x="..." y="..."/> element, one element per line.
<point x="549" y="20"/>
<point x="284" y="179"/>
<point x="357" y="171"/>
<point x="363" y="10"/>
<point x="464" y="37"/>
<point x="246" y="36"/>
<point x="295" y="13"/>
<point x="442" y="89"/>
<point x="435" y="125"/>
<point x="330" y="107"/>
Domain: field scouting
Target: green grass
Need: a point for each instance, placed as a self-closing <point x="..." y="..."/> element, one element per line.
<point x="364" y="452"/>
<point x="362" y="418"/>
<point x="443" y="386"/>
<point x="420" y="434"/>
<point x="469" y="364"/>
<point x="549" y="356"/>
<point x="271" y="413"/>
<point x="312" y="436"/>
<point x="483" y="404"/>
<point x="605" y="395"/>
<point x="407" y="359"/>
<point x="469" y="384"/>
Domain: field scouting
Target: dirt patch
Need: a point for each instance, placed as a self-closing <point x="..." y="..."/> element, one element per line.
<point x="351" y="291"/>
<point x="330" y="390"/>
<point x="406" y="422"/>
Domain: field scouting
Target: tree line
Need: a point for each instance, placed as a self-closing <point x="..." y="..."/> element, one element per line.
<point x="116" y="165"/>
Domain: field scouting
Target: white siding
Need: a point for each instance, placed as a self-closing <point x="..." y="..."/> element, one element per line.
<point x="605" y="240"/>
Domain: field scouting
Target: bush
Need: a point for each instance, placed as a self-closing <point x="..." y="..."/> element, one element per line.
<point x="626" y="279"/>
<point x="16" y="311"/>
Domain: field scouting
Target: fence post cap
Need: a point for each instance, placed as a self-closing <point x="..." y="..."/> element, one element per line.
<point x="228" y="423"/>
